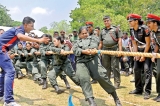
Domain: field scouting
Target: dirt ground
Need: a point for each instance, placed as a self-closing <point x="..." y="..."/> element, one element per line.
<point x="29" y="93"/>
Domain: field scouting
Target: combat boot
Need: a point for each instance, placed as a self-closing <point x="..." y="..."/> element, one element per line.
<point x="66" y="83"/>
<point x="116" y="99"/>
<point x="91" y="101"/>
<point x="127" y="72"/>
<point x="41" y="81"/>
<point x="20" y="75"/>
<point x="16" y="75"/>
<point x="45" y="84"/>
<point x="58" y="90"/>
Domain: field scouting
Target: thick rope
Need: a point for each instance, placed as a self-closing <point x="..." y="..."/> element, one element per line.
<point x="122" y="53"/>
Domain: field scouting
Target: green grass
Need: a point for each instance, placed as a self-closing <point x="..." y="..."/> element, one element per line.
<point x="29" y="93"/>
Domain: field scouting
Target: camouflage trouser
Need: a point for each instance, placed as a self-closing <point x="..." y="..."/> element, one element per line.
<point x="36" y="69"/>
<point x="111" y="63"/>
<point x="19" y="65"/>
<point x="96" y="71"/>
<point x="60" y="70"/>
<point x="48" y="65"/>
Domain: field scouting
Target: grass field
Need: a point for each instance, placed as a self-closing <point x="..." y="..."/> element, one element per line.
<point x="29" y="93"/>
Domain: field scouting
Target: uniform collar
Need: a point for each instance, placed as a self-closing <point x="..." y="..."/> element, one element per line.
<point x="109" y="28"/>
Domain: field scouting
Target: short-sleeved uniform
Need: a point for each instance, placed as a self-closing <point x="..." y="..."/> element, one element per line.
<point x="7" y="41"/>
<point x="109" y="37"/>
<point x="156" y="36"/>
<point x="142" y="70"/>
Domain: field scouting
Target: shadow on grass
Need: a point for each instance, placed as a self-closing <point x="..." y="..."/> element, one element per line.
<point x="28" y="100"/>
<point x="122" y="87"/>
<point x="99" y="102"/>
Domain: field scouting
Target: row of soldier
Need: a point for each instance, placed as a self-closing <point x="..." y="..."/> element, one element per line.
<point x="110" y="38"/>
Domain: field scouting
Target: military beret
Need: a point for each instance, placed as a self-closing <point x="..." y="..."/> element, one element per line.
<point x="152" y="17"/>
<point x="88" y="23"/>
<point x="132" y="17"/>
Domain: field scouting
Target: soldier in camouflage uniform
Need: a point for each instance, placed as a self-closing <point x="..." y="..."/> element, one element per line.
<point x="28" y="53"/>
<point x="20" y="63"/>
<point x="61" y="63"/>
<point x="91" y="33"/>
<point x="89" y="65"/>
<point x="36" y="62"/>
<point x="47" y="61"/>
<point x="153" y="22"/>
<point x="110" y="39"/>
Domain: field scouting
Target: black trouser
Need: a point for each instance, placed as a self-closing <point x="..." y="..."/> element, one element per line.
<point x="143" y="75"/>
<point x="158" y="76"/>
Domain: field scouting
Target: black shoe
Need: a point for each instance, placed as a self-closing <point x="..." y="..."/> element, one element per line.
<point x="146" y="95"/>
<point x="66" y="83"/>
<point x="135" y="92"/>
<point x="35" y="79"/>
<point x="158" y="98"/>
<point x="20" y="75"/>
<point x="45" y="84"/>
<point x="93" y="82"/>
<point x="91" y="102"/>
<point x="116" y="85"/>
<point x="116" y="99"/>
<point x="16" y="75"/>
<point x="127" y="72"/>
<point x="155" y="99"/>
<point x="41" y="82"/>
<point x="58" y="90"/>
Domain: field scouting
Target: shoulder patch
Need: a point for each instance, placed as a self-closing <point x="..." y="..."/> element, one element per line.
<point x="147" y="31"/>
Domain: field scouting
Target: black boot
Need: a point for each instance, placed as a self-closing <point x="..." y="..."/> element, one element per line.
<point x="127" y="72"/>
<point x="91" y="102"/>
<point x="93" y="82"/>
<point x="16" y="75"/>
<point x="58" y="90"/>
<point x="41" y="81"/>
<point x="45" y="84"/>
<point x="20" y="75"/>
<point x="66" y="83"/>
<point x="116" y="99"/>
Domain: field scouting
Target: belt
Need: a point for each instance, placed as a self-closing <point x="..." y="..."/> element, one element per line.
<point x="110" y="46"/>
<point x="142" y="46"/>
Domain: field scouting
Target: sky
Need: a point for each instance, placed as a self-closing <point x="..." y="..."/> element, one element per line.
<point x="43" y="11"/>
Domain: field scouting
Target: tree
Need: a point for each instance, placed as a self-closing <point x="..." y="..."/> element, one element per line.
<point x="94" y="10"/>
<point x="16" y="23"/>
<point x="44" y="29"/>
<point x="62" y="25"/>
<point x="5" y="19"/>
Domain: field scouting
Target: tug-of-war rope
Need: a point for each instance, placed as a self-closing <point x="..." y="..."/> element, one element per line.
<point x="122" y="53"/>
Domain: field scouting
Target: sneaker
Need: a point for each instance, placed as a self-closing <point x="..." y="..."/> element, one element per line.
<point x="11" y="104"/>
